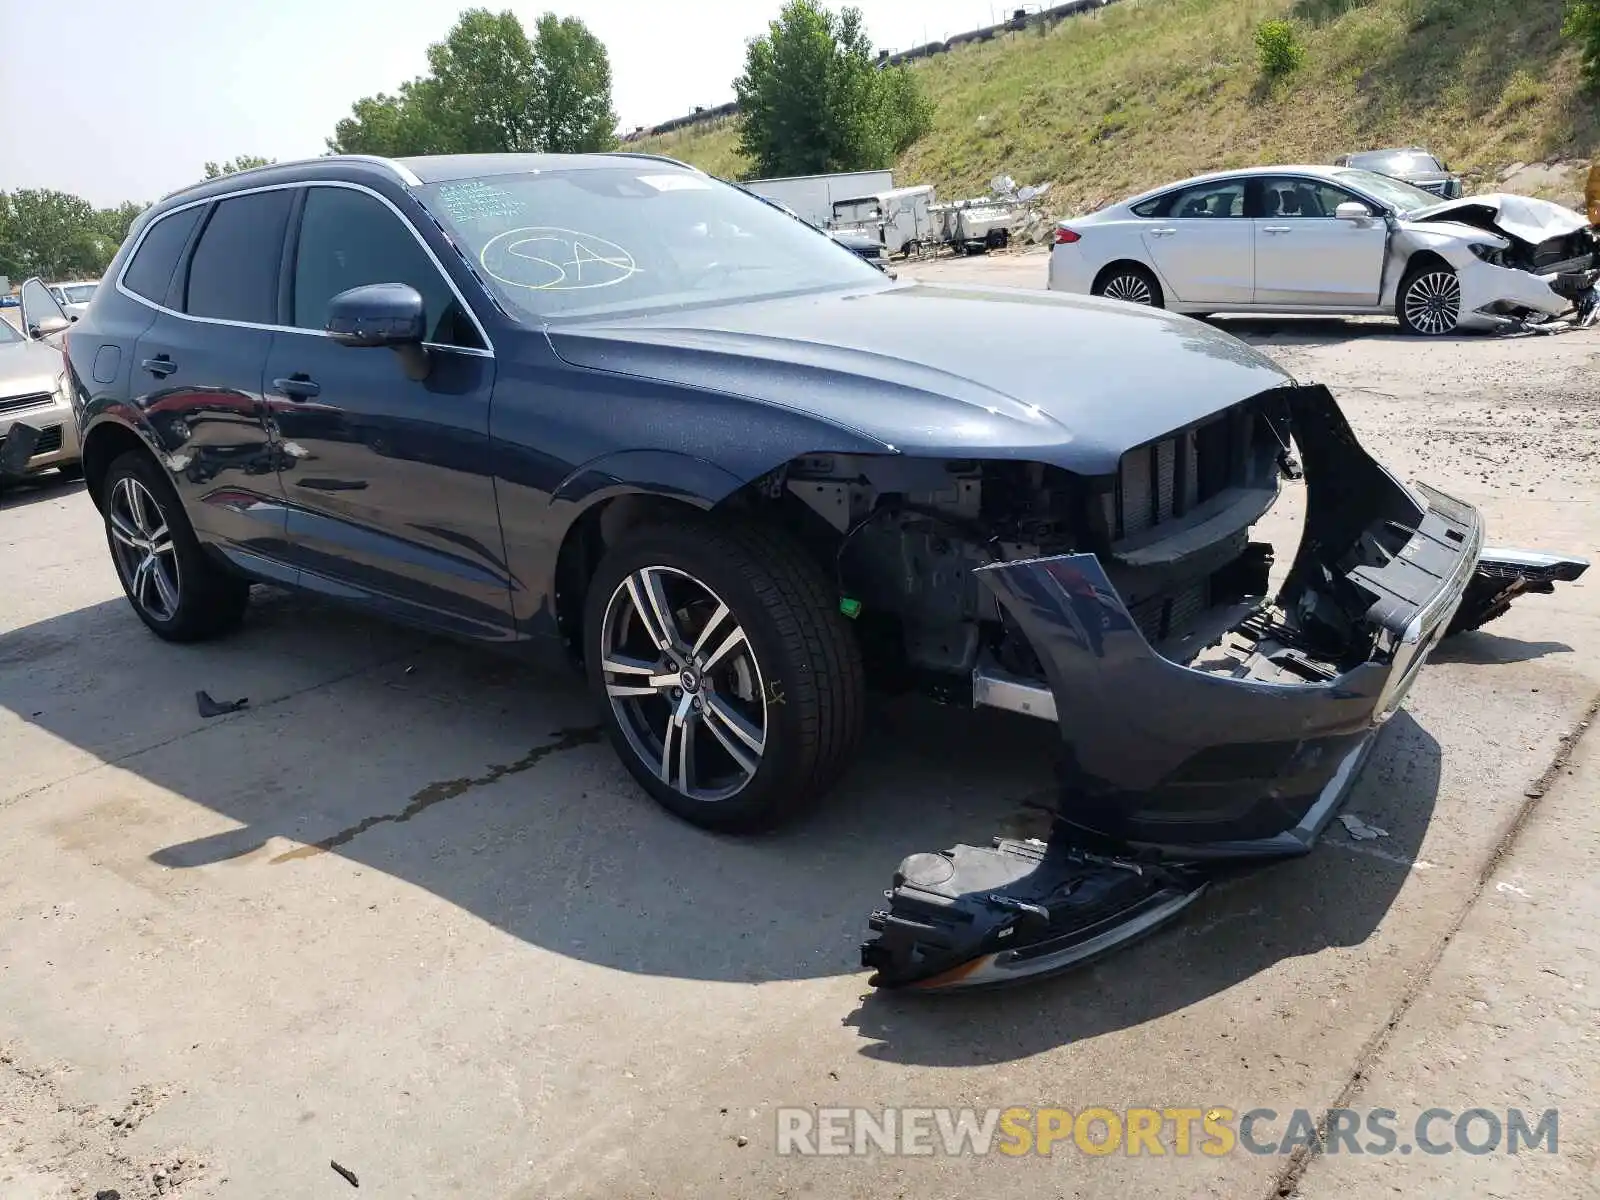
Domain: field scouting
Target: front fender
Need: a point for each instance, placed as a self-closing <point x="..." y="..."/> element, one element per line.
<point x="665" y="473"/>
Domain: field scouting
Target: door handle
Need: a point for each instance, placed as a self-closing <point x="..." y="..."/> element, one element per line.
<point x="1164" y="231"/>
<point x="298" y="386"/>
<point x="160" y="366"/>
<point x="1277" y="229"/>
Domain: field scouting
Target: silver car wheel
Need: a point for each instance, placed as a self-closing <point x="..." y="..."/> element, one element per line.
<point x="146" y="555"/>
<point x="683" y="683"/>
<point x="1134" y="289"/>
<point x="1433" y="303"/>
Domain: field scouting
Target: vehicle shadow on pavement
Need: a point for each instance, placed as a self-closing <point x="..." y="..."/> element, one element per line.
<point x="486" y="784"/>
<point x="1484" y="649"/>
<point x="21" y="493"/>
<point x="1242" y="927"/>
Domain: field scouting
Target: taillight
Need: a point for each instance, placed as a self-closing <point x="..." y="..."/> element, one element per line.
<point x="1065" y="236"/>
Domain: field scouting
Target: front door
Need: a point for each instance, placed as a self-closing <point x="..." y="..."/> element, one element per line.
<point x="389" y="479"/>
<point x="1307" y="256"/>
<point x="1202" y="246"/>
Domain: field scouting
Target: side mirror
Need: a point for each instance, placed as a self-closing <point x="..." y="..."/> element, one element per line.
<point x="382" y="314"/>
<point x="47" y="327"/>
<point x="1353" y="210"/>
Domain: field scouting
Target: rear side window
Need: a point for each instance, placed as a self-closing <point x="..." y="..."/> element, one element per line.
<point x="233" y="274"/>
<point x="349" y="239"/>
<point x="1150" y="208"/>
<point x="150" y="272"/>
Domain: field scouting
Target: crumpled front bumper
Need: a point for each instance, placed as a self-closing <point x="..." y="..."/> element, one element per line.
<point x="1171" y="773"/>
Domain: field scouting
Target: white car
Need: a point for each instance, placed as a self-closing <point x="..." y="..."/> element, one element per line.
<point x="74" y="297"/>
<point x="1333" y="240"/>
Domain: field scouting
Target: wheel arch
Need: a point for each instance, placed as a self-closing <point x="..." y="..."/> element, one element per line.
<point x="687" y="489"/>
<point x="104" y="442"/>
<point x="1123" y="264"/>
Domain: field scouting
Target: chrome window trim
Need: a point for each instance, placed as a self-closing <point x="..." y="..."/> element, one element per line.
<point x="280" y="187"/>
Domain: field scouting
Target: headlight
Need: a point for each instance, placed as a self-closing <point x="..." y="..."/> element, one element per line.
<point x="1493" y="255"/>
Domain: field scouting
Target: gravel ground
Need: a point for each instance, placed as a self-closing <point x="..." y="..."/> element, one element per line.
<point x="509" y="975"/>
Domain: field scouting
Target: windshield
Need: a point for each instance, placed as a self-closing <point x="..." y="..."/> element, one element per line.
<point x="1396" y="162"/>
<point x="554" y="244"/>
<point x="1401" y="196"/>
<point x="78" y="293"/>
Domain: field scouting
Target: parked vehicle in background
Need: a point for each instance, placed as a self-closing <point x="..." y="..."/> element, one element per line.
<point x="74" y="297"/>
<point x="37" y="429"/>
<point x="867" y="248"/>
<point x="812" y="197"/>
<point x="1413" y="165"/>
<point x="1308" y="239"/>
<point x="900" y="218"/>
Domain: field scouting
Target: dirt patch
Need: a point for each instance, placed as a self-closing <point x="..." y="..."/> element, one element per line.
<point x="51" y="1148"/>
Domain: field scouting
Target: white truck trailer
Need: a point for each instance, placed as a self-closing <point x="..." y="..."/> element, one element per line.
<point x="813" y="196"/>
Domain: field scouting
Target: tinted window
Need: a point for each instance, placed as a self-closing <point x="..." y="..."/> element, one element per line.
<point x="1292" y="198"/>
<point x="644" y="236"/>
<point x="233" y="274"/>
<point x="347" y="239"/>
<point x="150" y="272"/>
<point x="1209" y="200"/>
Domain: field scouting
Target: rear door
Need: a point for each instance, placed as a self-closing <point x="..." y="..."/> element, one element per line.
<point x="389" y="480"/>
<point x="1202" y="244"/>
<point x="196" y="374"/>
<point x="1307" y="256"/>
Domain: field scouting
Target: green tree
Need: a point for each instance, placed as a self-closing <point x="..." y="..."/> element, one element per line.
<point x="812" y="100"/>
<point x="244" y="162"/>
<point x="51" y="234"/>
<point x="491" y="89"/>
<point x="1278" y="48"/>
<point x="1582" y="25"/>
<point x="113" y="223"/>
<point x="572" y="83"/>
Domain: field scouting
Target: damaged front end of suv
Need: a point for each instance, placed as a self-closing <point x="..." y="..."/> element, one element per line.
<point x="1209" y="720"/>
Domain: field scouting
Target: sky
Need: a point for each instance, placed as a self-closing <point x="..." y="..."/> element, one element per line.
<point x="115" y="101"/>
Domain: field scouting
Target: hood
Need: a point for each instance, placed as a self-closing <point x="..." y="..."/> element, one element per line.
<point x="953" y="371"/>
<point x="28" y="367"/>
<point x="1523" y="217"/>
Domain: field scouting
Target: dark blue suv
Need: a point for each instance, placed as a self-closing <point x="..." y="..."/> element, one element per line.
<point x="611" y="407"/>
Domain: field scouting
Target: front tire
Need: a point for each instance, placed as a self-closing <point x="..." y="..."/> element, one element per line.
<point x="180" y="593"/>
<point x="1429" y="303"/>
<point x="1131" y="284"/>
<point x="730" y="686"/>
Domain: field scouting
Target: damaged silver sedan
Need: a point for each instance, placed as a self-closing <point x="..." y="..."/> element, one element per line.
<point x="1308" y="239"/>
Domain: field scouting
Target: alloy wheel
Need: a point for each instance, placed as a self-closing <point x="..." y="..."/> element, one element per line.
<point x="146" y="555"/>
<point x="1433" y="302"/>
<point x="684" y="683"/>
<point x="1132" y="288"/>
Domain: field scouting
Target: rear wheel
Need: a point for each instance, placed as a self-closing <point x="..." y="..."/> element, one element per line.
<point x="730" y="686"/>
<point x="1131" y="284"/>
<point x="180" y="593"/>
<point x="1429" y="304"/>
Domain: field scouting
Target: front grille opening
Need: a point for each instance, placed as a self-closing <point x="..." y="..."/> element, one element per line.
<point x="31" y="400"/>
<point x="49" y="441"/>
<point x="1166" y="479"/>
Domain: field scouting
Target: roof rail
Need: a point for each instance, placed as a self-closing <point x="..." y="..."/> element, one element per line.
<point x="398" y="169"/>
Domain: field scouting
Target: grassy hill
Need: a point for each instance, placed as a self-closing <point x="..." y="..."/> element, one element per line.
<point x="1153" y="90"/>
